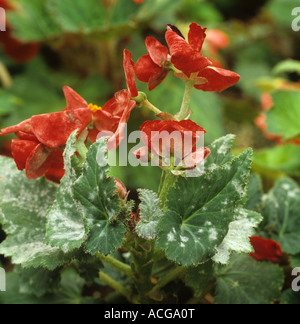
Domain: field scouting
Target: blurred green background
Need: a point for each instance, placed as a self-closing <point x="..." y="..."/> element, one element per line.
<point x="52" y="43"/>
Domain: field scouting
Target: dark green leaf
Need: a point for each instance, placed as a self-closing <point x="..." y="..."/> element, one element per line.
<point x="200" y="277"/>
<point x="282" y="215"/>
<point x="247" y="281"/>
<point x="96" y="195"/>
<point x="255" y="193"/>
<point x="39" y="281"/>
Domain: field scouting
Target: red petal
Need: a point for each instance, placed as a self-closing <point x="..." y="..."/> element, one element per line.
<point x="27" y="137"/>
<point x="53" y="130"/>
<point x="147" y="71"/>
<point x="218" y="79"/>
<point x="127" y="107"/>
<point x="265" y="249"/>
<point x="130" y="75"/>
<point x="74" y="100"/>
<point x="21" y="150"/>
<point x="105" y="121"/>
<point x="158" y="52"/>
<point x="56" y="170"/>
<point x="38" y="162"/>
<point x="196" y="36"/>
<point x="195" y="158"/>
<point x="185" y="134"/>
<point x="184" y="57"/>
<point x="25" y="127"/>
<point x="145" y="68"/>
<point x="142" y="154"/>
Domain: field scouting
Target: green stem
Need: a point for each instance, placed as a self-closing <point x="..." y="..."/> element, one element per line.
<point x="167" y="279"/>
<point x="166" y="182"/>
<point x="122" y="267"/>
<point x="151" y="107"/>
<point x="184" y="111"/>
<point x="115" y="285"/>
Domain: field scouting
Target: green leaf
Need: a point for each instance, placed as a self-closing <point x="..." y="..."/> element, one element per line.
<point x="237" y="238"/>
<point x="78" y="15"/>
<point x="255" y="193"/>
<point x="70" y="292"/>
<point x="220" y="152"/>
<point x="200" y="211"/>
<point x="32" y="22"/>
<point x="281" y="11"/>
<point x="200" y="277"/>
<point x="65" y="225"/>
<point x="284" y="118"/>
<point x="96" y="195"/>
<point x="247" y="281"/>
<point x="282" y="215"/>
<point x="287" y="66"/>
<point x="295" y="261"/>
<point x="290" y="297"/>
<point x="150" y="214"/>
<point x="23" y="206"/>
<point x="279" y="159"/>
<point x="88" y="267"/>
<point x="39" y="281"/>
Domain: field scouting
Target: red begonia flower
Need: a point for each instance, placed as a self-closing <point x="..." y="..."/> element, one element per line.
<point x="138" y="1"/>
<point x="172" y="138"/>
<point x="265" y="249"/>
<point x="186" y="56"/>
<point x="130" y="74"/>
<point x="41" y="138"/>
<point x="111" y="120"/>
<point x="153" y="68"/>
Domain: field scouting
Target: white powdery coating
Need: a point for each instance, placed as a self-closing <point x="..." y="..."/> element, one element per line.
<point x="237" y="238"/>
<point x="213" y="234"/>
<point x="171" y="236"/>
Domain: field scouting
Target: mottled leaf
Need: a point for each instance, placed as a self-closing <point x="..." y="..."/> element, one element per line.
<point x="65" y="225"/>
<point x="150" y="214"/>
<point x="95" y="193"/>
<point x="237" y="238"/>
<point x="200" y="211"/>
<point x="247" y="281"/>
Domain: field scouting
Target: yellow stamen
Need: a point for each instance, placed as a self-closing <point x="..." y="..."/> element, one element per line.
<point x="94" y="108"/>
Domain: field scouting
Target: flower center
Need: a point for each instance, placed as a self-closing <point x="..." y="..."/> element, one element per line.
<point x="94" y="108"/>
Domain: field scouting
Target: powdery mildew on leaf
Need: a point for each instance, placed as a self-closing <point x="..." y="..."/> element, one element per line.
<point x="200" y="211"/>
<point x="282" y="215"/>
<point x="237" y="238"/>
<point x="65" y="225"/>
<point x="23" y="206"/>
<point x="150" y="214"/>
